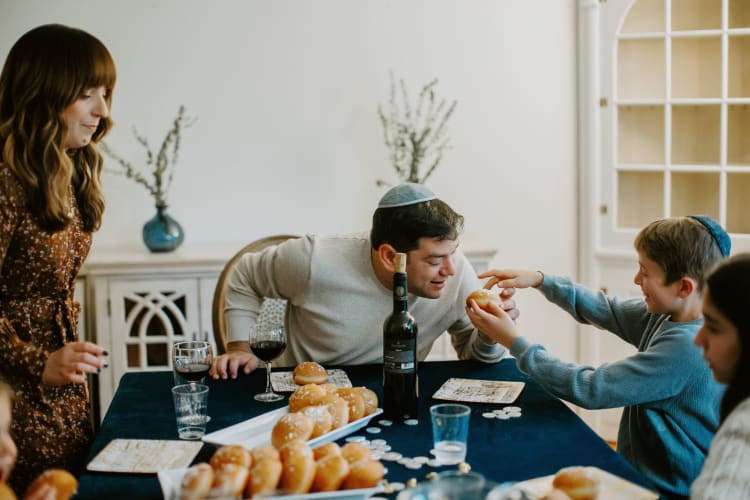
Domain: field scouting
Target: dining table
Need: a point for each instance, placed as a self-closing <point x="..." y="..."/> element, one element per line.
<point x="546" y="437"/>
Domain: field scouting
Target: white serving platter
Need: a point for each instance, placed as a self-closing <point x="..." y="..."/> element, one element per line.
<point x="256" y="431"/>
<point x="170" y="480"/>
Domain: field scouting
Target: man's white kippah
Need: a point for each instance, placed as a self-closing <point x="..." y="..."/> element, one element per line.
<point x="408" y="193"/>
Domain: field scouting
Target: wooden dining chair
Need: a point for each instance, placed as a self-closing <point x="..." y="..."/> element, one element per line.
<point x="272" y="310"/>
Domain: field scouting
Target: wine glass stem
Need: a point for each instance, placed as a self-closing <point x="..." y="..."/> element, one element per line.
<point x="268" y="378"/>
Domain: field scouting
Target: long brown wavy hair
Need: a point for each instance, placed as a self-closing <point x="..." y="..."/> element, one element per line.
<point x="47" y="69"/>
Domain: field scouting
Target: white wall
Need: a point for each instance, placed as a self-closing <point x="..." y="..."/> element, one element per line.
<point x="287" y="137"/>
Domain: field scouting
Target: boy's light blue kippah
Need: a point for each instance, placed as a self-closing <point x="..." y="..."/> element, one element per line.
<point x="408" y="193"/>
<point x="720" y="236"/>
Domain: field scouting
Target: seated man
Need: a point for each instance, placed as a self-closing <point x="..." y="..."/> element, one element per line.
<point x="338" y="288"/>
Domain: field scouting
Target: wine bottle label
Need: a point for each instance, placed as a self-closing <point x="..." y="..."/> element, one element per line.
<point x="399" y="358"/>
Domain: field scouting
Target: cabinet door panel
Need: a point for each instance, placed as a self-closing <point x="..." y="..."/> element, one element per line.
<point x="147" y="317"/>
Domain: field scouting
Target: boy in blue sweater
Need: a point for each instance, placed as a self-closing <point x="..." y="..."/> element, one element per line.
<point x="671" y="400"/>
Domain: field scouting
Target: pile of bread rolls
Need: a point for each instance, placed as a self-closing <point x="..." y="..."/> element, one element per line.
<point x="289" y="465"/>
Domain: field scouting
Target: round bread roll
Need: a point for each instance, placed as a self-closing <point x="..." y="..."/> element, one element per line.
<point x="330" y="473"/>
<point x="364" y="473"/>
<point x="264" y="477"/>
<point x="64" y="482"/>
<point x="320" y="417"/>
<point x="196" y="482"/>
<point x="338" y="408"/>
<point x="483" y="298"/>
<point x="263" y="452"/>
<point x="291" y="426"/>
<point x="356" y="402"/>
<point x="306" y="395"/>
<point x="6" y="493"/>
<point x="354" y="452"/>
<point x="309" y="372"/>
<point x="370" y="399"/>
<point x="231" y="454"/>
<point x="229" y="481"/>
<point x="579" y="483"/>
<point x="297" y="473"/>
<point x="326" y="449"/>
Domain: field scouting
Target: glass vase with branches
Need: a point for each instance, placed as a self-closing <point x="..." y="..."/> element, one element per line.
<point x="416" y="137"/>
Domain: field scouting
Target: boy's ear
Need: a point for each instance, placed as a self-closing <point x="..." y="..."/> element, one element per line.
<point x="386" y="254"/>
<point x="687" y="286"/>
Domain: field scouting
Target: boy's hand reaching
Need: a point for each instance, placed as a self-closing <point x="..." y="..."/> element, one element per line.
<point x="496" y="324"/>
<point x="512" y="278"/>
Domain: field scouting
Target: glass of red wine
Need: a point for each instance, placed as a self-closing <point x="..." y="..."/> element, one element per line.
<point x="191" y="359"/>
<point x="268" y="344"/>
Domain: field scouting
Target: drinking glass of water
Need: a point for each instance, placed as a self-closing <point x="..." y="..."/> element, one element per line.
<point x="450" y="432"/>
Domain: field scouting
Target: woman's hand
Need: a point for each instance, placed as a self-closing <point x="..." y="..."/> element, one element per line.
<point x="512" y="278"/>
<point x="72" y="362"/>
<point x="496" y="324"/>
<point x="238" y="356"/>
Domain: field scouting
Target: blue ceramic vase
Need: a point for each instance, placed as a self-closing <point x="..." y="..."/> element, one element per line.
<point x="162" y="233"/>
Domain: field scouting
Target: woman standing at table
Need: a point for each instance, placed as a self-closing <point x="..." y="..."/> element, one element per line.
<point x="55" y="92"/>
<point x="725" y="340"/>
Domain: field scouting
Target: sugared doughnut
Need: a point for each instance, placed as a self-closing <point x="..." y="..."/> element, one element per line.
<point x="320" y="417"/>
<point x="330" y="473"/>
<point x="353" y="452"/>
<point x="6" y="493"/>
<point x="309" y="372"/>
<point x="579" y="483"/>
<point x="338" y="408"/>
<point x="295" y="448"/>
<point x="483" y="298"/>
<point x="326" y="449"/>
<point x="370" y="399"/>
<point x="231" y="454"/>
<point x="356" y="402"/>
<point x="297" y="473"/>
<point x="306" y="395"/>
<point x="364" y="473"/>
<point x="291" y="426"/>
<point x="263" y="452"/>
<point x="264" y="477"/>
<point x="64" y="482"/>
<point x="229" y="481"/>
<point x="329" y="388"/>
<point x="196" y="482"/>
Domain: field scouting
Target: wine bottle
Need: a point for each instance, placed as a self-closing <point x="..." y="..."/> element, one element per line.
<point x="400" y="383"/>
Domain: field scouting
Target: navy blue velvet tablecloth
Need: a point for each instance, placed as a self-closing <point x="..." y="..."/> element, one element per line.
<point x="546" y="438"/>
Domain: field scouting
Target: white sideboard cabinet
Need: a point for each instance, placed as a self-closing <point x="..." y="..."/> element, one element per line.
<point x="135" y="304"/>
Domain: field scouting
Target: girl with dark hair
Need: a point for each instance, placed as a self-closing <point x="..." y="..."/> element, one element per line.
<point x="725" y="340"/>
<point x="55" y="93"/>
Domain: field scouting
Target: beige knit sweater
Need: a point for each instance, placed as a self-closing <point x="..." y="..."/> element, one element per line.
<point x="726" y="473"/>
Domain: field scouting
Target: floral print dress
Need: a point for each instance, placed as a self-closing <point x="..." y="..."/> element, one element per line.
<point x="38" y="269"/>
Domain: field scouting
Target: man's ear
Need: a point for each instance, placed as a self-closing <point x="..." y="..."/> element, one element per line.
<point x="687" y="286"/>
<point x="386" y="254"/>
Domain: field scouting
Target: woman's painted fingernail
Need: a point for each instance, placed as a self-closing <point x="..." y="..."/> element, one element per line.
<point x="105" y="353"/>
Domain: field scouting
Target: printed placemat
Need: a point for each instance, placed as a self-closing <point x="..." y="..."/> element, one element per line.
<point x="144" y="455"/>
<point x="479" y="391"/>
<point x="283" y="381"/>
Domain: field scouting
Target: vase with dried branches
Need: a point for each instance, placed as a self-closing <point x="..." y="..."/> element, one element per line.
<point x="161" y="233"/>
<point x="416" y="137"/>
